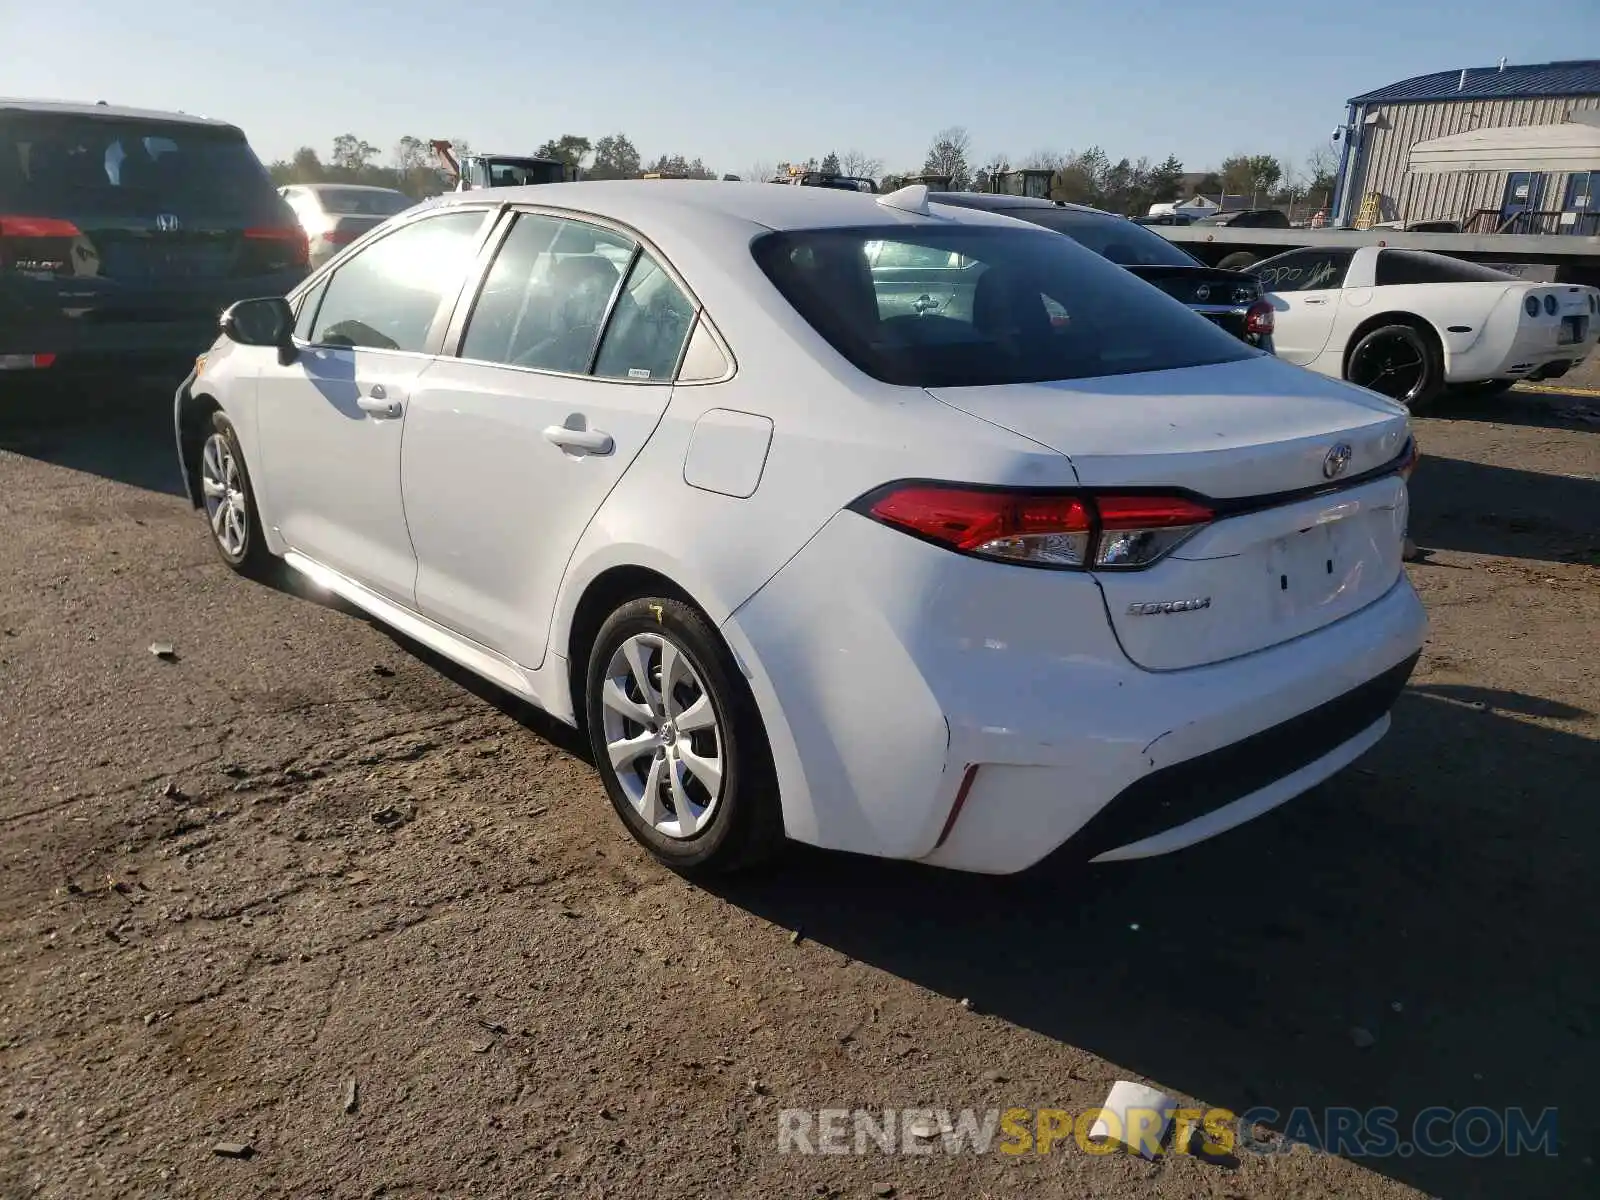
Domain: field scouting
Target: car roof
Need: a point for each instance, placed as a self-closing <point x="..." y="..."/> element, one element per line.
<point x="9" y="104"/>
<point x="653" y="203"/>
<point x="1002" y="202"/>
<point x="343" y="187"/>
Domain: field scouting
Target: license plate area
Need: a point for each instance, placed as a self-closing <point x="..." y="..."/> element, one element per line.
<point x="1314" y="567"/>
<point x="1573" y="331"/>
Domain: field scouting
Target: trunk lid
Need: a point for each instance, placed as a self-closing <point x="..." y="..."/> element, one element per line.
<point x="1222" y="297"/>
<point x="344" y="228"/>
<point x="1286" y="554"/>
<point x="1200" y="285"/>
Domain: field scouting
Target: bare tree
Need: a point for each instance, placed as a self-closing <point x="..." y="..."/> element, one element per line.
<point x="1046" y="160"/>
<point x="860" y="165"/>
<point x="1321" y="168"/>
<point x="947" y="155"/>
<point x="760" y="172"/>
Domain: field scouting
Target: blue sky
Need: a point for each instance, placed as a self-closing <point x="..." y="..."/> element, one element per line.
<point x="738" y="83"/>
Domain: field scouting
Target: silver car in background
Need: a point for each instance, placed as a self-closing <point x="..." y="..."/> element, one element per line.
<point x="336" y="214"/>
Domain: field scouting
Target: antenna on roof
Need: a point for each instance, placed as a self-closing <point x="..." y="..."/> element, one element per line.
<point x="1463" y="80"/>
<point x="913" y="199"/>
<point x="1502" y="62"/>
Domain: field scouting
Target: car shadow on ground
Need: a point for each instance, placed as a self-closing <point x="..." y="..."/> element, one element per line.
<point x="1526" y="407"/>
<point x="1478" y="508"/>
<point x="1438" y="897"/>
<point x="118" y="431"/>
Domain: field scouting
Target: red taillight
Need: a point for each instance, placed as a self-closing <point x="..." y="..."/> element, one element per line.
<point x="26" y="362"/>
<point x="293" y="239"/>
<point x="1137" y="530"/>
<point x="1045" y="529"/>
<point x="37" y="227"/>
<point x="1259" y="319"/>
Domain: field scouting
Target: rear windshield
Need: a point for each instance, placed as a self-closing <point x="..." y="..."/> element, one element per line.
<point x="1122" y="241"/>
<point x="932" y="306"/>
<point x="364" y="202"/>
<point x="65" y="165"/>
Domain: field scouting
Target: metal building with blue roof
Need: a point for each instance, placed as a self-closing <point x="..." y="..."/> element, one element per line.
<point x="1503" y="148"/>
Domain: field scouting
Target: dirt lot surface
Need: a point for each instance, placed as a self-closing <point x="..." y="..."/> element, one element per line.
<point x="302" y="853"/>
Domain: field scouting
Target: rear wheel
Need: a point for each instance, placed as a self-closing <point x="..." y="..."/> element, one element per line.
<point x="230" y="502"/>
<point x="1398" y="361"/>
<point x="678" y="740"/>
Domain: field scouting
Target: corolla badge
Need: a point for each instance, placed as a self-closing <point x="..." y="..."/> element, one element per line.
<point x="1152" y="608"/>
<point x="1336" y="460"/>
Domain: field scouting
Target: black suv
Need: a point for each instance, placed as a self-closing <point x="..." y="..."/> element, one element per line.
<point x="125" y="233"/>
<point x="1231" y="299"/>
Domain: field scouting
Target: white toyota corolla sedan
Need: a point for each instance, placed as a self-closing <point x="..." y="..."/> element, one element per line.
<point x="926" y="534"/>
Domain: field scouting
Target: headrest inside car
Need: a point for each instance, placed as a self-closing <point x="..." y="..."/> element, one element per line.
<point x="573" y="239"/>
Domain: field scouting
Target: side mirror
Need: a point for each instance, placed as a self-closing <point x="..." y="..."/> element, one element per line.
<point x="265" y="322"/>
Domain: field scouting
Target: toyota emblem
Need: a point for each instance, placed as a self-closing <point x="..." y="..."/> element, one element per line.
<point x="1336" y="460"/>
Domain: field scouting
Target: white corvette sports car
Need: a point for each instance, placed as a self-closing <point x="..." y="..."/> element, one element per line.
<point x="1408" y="323"/>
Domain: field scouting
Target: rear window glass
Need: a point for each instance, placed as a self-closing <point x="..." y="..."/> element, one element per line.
<point x="364" y="202"/>
<point x="971" y="306"/>
<point x="1122" y="241"/>
<point x="52" y="165"/>
<point x="1416" y="266"/>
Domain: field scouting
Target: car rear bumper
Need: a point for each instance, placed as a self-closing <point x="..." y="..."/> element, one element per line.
<point x="980" y="716"/>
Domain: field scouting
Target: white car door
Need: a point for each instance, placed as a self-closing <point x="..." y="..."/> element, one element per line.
<point x="1304" y="288"/>
<point x="512" y="447"/>
<point x="329" y="423"/>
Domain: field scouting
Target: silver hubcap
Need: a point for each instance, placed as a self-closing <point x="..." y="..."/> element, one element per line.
<point x="662" y="735"/>
<point x="223" y="486"/>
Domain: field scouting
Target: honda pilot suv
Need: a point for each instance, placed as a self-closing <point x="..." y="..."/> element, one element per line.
<point x="125" y="233"/>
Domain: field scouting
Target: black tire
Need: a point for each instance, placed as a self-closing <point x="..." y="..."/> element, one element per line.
<point x="1400" y="361"/>
<point x="1237" y="261"/>
<point x="250" y="557"/>
<point x="744" y="827"/>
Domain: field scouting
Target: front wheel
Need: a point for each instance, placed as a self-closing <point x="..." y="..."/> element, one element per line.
<point x="1397" y="361"/>
<point x="230" y="503"/>
<point x="678" y="740"/>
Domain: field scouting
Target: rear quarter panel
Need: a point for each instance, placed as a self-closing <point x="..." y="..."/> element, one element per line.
<point x="1458" y="314"/>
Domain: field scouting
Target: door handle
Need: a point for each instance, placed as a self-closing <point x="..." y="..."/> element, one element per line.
<point x="377" y="402"/>
<point x="590" y="441"/>
<point x="1316" y="300"/>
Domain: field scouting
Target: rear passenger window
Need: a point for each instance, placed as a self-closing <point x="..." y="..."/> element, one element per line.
<point x="547" y="295"/>
<point x="647" y="328"/>
<point x="703" y="361"/>
<point x="386" y="297"/>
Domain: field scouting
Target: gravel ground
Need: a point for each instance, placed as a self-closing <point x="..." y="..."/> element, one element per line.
<point x="302" y="853"/>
